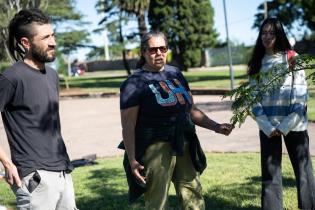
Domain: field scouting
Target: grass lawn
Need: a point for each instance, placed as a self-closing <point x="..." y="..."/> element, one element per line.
<point x="214" y="79"/>
<point x="111" y="82"/>
<point x="230" y="182"/>
<point x="311" y="105"/>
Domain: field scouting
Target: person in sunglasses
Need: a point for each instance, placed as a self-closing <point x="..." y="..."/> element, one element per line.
<point x="158" y="119"/>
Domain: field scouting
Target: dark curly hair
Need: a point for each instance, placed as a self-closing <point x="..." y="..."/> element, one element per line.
<point x="20" y="26"/>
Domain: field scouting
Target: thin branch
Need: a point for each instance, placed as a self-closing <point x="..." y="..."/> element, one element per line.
<point x="247" y="95"/>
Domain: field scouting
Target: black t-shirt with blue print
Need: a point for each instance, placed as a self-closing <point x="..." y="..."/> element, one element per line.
<point x="163" y="94"/>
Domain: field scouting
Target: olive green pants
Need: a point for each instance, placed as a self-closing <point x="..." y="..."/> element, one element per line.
<point x="161" y="168"/>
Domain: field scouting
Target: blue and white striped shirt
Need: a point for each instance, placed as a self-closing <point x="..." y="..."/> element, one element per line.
<point x="283" y="109"/>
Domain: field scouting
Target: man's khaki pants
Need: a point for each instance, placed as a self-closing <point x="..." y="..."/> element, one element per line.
<point x="54" y="192"/>
<point x="161" y="168"/>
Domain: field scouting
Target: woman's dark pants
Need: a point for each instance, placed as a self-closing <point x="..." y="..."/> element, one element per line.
<point x="297" y="144"/>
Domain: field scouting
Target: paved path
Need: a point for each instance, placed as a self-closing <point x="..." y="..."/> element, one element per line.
<point x="92" y="125"/>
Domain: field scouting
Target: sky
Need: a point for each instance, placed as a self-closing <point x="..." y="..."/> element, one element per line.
<point x="240" y="17"/>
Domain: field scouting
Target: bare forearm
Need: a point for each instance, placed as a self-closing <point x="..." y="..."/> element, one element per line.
<point x="202" y="120"/>
<point x="128" y="122"/>
<point x="11" y="171"/>
<point x="4" y="158"/>
<point x="129" y="142"/>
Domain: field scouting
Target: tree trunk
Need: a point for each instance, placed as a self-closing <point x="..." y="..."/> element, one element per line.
<point x="126" y="64"/>
<point x="141" y="24"/>
<point x="3" y="43"/>
<point x="124" y="53"/>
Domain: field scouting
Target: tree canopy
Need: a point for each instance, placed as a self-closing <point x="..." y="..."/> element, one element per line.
<point x="289" y="12"/>
<point x="115" y="14"/>
<point x="61" y="11"/>
<point x="189" y="26"/>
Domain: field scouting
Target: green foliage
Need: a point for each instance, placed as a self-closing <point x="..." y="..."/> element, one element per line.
<point x="7" y="10"/>
<point x="311" y="107"/>
<point x="62" y="64"/>
<point x="4" y="66"/>
<point x="61" y="11"/>
<point x="98" y="53"/>
<point x="72" y="40"/>
<point x="69" y="33"/>
<point x="116" y="13"/>
<point x="130" y="9"/>
<point x="289" y="12"/>
<point x="136" y="8"/>
<point x="214" y="79"/>
<point x="231" y="181"/>
<point x="245" y="96"/>
<point x="188" y="24"/>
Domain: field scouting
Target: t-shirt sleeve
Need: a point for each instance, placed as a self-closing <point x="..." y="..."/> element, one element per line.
<point x="130" y="92"/>
<point x="6" y="92"/>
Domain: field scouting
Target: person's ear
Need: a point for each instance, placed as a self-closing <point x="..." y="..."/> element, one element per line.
<point x="25" y="42"/>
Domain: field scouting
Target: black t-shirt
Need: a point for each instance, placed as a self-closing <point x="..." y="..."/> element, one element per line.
<point x="29" y="105"/>
<point x="159" y="95"/>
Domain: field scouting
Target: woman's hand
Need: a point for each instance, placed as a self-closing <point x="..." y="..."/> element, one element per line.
<point x="202" y="120"/>
<point x="224" y="128"/>
<point x="137" y="169"/>
<point x="128" y="122"/>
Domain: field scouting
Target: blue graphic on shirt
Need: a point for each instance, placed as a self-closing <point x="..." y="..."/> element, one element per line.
<point x="175" y="94"/>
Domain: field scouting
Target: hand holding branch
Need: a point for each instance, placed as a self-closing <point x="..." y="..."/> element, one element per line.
<point x="224" y="128"/>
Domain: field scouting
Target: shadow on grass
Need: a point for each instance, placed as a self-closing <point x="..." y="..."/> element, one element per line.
<point x="232" y="197"/>
<point x="238" y="196"/>
<point x="107" y="190"/>
<point x="286" y="181"/>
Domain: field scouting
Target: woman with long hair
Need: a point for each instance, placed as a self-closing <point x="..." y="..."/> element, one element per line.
<point x="281" y="114"/>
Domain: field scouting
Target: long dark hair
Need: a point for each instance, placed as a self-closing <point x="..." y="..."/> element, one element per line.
<point x="20" y="26"/>
<point x="144" y="45"/>
<point x="282" y="44"/>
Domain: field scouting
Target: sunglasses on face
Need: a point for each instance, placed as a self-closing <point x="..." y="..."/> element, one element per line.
<point x="154" y="50"/>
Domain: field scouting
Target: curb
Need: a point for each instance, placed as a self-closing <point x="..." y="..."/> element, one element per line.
<point x="201" y="91"/>
<point x="87" y="95"/>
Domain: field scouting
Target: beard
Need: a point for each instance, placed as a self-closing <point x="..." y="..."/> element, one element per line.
<point x="41" y="55"/>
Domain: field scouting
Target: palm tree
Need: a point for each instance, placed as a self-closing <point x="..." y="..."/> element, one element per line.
<point x="137" y="8"/>
<point x="122" y="9"/>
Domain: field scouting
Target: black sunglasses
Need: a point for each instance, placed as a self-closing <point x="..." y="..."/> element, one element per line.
<point x="153" y="50"/>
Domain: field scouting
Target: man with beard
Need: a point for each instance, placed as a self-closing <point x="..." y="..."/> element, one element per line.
<point x="39" y="173"/>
